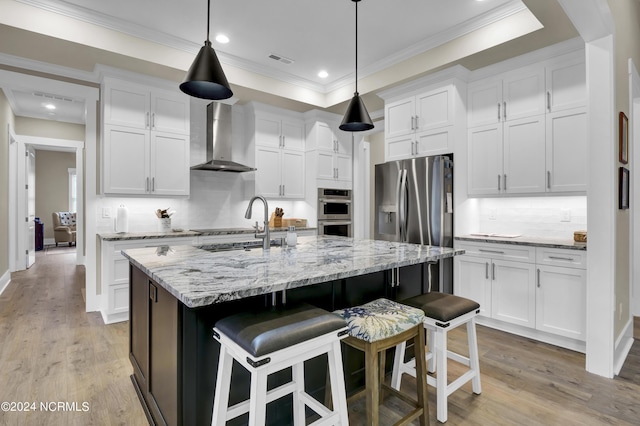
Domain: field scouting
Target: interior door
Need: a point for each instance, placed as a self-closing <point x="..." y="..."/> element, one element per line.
<point x="30" y="170"/>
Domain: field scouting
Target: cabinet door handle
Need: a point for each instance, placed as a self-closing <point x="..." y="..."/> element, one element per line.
<point x="146" y="186"/>
<point x="548" y="179"/>
<point x="283" y="192"/>
<point x="153" y="184"/>
<point x="493" y="271"/>
<point x="548" y="100"/>
<point x="499" y="111"/>
<point x="486" y="270"/>
<point x="491" y="251"/>
<point x="153" y="293"/>
<point x="498" y="182"/>
<point x="538" y="277"/>
<point x="505" y="182"/>
<point x="153" y="120"/>
<point x="417" y="122"/>
<point x="504" y="109"/>
<point x="146" y="120"/>
<point x="570" y="259"/>
<point x="412" y="128"/>
<point x="284" y="142"/>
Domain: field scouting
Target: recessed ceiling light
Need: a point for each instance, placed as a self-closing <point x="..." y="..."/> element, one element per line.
<point x="221" y="38"/>
<point x="323" y="74"/>
<point x="50" y="106"/>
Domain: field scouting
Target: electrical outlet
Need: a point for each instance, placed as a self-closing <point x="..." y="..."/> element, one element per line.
<point x="106" y="212"/>
<point x="493" y="214"/>
<point x="565" y="215"/>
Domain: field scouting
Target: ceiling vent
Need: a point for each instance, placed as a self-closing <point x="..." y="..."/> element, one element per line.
<point x="281" y="59"/>
<point x="52" y="97"/>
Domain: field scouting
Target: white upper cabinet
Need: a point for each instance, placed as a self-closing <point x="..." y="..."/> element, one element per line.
<point x="566" y="83"/>
<point x="513" y="96"/>
<point x="277" y="132"/>
<point x="424" y="121"/>
<point x="279" y="140"/>
<point x="132" y="105"/>
<point x="527" y="129"/>
<point x="329" y="154"/>
<point x="145" y="140"/>
<point x="566" y="150"/>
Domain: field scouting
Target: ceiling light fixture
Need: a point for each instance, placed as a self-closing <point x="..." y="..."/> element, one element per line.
<point x="205" y="79"/>
<point x="50" y="106"/>
<point x="323" y="74"/>
<point x="221" y="38"/>
<point x="356" y="118"/>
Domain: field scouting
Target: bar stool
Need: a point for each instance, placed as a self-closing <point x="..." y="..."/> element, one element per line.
<point x="443" y="312"/>
<point x="375" y="327"/>
<point x="270" y="341"/>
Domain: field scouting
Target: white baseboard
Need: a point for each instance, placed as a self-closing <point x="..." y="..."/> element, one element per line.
<point x="4" y="281"/>
<point x="623" y="346"/>
<point x="49" y="241"/>
<point x="542" y="336"/>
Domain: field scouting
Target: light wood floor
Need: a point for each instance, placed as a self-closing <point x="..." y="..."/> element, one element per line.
<point x="51" y="350"/>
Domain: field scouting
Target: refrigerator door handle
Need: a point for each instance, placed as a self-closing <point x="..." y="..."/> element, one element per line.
<point x="403" y="205"/>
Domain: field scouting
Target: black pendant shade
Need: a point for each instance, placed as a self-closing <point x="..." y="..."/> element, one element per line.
<point x="356" y="118"/>
<point x="205" y="79"/>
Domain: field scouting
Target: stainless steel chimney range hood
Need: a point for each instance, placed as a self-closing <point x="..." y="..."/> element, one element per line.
<point x="219" y="141"/>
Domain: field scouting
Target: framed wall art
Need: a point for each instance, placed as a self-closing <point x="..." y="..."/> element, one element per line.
<point x="624" y="138"/>
<point x="623" y="188"/>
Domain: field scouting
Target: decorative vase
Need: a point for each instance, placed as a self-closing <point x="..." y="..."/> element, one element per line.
<point x="164" y="224"/>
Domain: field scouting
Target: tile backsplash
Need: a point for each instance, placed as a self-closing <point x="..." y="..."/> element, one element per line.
<point x="217" y="200"/>
<point x="533" y="216"/>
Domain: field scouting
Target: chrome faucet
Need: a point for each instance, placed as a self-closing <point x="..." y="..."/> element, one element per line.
<point x="266" y="239"/>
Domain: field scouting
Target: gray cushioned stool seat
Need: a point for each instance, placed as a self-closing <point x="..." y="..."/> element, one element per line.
<point x="441" y="306"/>
<point x="263" y="332"/>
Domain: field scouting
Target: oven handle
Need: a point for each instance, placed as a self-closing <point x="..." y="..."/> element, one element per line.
<point x="334" y="222"/>
<point x="334" y="201"/>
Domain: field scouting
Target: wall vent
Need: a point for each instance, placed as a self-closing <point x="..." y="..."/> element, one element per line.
<point x="281" y="59"/>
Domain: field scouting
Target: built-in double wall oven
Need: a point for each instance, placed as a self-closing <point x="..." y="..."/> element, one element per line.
<point x="334" y="212"/>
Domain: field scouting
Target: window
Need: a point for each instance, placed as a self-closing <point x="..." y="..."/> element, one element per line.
<point x="72" y="190"/>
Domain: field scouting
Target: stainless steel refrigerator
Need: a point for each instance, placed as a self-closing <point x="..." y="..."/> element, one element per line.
<point x="414" y="204"/>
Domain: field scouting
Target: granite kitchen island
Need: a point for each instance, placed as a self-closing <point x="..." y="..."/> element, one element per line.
<point x="177" y="293"/>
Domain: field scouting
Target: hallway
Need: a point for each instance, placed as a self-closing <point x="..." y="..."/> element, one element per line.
<point x="53" y="351"/>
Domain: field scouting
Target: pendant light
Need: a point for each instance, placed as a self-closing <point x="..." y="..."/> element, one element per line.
<point x="205" y="79"/>
<point x="356" y="118"/>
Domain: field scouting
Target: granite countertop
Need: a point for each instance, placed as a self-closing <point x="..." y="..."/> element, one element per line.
<point x="113" y="236"/>
<point x="561" y="243"/>
<point x="198" y="277"/>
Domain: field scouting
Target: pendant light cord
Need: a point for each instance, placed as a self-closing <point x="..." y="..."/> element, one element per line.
<point x="208" y="17"/>
<point x="356" y="2"/>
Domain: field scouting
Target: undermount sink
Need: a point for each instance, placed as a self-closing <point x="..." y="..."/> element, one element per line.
<point x="245" y="245"/>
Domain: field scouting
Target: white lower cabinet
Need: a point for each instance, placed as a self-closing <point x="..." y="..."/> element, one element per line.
<point x="538" y="292"/>
<point x="115" y="274"/>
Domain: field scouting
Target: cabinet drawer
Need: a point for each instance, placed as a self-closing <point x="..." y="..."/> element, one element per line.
<point x="560" y="257"/>
<point x="519" y="253"/>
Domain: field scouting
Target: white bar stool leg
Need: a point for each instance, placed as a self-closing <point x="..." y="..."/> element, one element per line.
<point x="223" y="385"/>
<point x="338" y="389"/>
<point x="474" y="358"/>
<point x="441" y="377"/>
<point x="398" y="366"/>
<point x="258" y="399"/>
<point x="431" y="340"/>
<point x="297" y="373"/>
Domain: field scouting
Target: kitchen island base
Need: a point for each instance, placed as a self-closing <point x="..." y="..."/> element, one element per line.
<point x="175" y="356"/>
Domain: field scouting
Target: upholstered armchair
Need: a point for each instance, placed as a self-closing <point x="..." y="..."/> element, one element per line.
<point x="64" y="227"/>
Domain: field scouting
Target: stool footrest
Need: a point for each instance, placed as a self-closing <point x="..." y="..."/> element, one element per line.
<point x="275" y="393"/>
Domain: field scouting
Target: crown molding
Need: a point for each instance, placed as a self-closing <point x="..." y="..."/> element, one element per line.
<point x="47" y="68"/>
